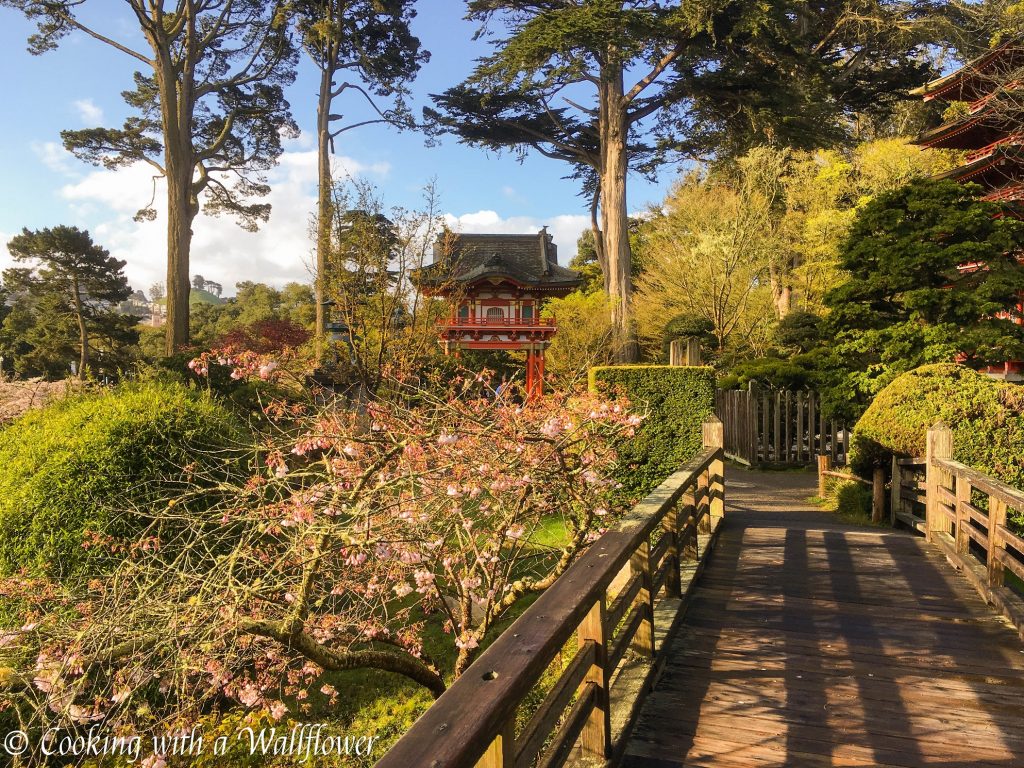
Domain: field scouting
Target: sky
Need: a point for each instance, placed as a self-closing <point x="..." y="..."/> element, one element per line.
<point x="79" y="85"/>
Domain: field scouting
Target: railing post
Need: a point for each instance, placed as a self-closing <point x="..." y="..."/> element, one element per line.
<point x="596" y="737"/>
<point x="963" y="496"/>
<point x="894" y="490"/>
<point x="878" y="495"/>
<point x="688" y="504"/>
<point x="670" y="528"/>
<point x="714" y="437"/>
<point x="501" y="753"/>
<point x="824" y="465"/>
<point x="938" y="445"/>
<point x="640" y="563"/>
<point x="996" y="519"/>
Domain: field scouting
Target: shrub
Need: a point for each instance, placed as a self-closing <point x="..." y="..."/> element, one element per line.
<point x="67" y="467"/>
<point x="676" y="400"/>
<point x="986" y="416"/>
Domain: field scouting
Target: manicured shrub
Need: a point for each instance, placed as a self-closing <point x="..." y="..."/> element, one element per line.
<point x="986" y="416"/>
<point x="676" y="400"/>
<point x="91" y="463"/>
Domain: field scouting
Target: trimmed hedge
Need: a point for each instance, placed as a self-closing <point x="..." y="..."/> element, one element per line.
<point x="676" y="401"/>
<point x="986" y="416"/>
<point x="92" y="462"/>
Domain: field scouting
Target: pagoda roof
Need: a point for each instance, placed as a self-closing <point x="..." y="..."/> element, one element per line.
<point x="976" y="130"/>
<point x="992" y="167"/>
<point x="526" y="260"/>
<point x="975" y="79"/>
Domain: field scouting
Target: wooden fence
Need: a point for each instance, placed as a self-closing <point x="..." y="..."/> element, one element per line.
<point x="604" y="605"/>
<point x="966" y="516"/>
<point x="779" y="427"/>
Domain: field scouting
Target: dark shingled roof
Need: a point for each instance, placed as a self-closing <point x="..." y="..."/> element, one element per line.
<point x="530" y="260"/>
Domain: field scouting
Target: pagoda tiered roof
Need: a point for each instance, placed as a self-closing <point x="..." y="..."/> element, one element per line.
<point x="979" y="78"/>
<point x="528" y="261"/>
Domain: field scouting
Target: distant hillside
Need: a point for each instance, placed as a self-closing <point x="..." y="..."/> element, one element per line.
<point x="196" y="296"/>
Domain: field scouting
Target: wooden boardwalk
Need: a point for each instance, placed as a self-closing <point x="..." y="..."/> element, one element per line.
<point x="810" y="642"/>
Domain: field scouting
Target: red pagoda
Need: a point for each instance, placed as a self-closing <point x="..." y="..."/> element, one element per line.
<point x="496" y="284"/>
<point x="990" y="131"/>
<point x="991" y="135"/>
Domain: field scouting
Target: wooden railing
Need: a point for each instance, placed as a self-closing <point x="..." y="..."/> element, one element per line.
<point x="966" y="515"/>
<point x="907" y="493"/>
<point x="779" y="427"/>
<point x="606" y="605"/>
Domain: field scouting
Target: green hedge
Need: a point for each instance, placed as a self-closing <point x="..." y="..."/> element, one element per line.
<point x="86" y="462"/>
<point x="986" y="416"/>
<point x="676" y="401"/>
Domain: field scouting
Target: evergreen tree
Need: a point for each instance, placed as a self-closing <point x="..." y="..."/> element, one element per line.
<point x="714" y="77"/>
<point x="370" y="43"/>
<point x="65" y="305"/>
<point x="934" y="275"/>
<point x="210" y="112"/>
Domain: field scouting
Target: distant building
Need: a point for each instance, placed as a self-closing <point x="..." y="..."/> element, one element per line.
<point x="497" y="284"/>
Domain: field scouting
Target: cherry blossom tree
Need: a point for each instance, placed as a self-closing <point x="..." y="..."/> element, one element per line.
<point x="351" y="531"/>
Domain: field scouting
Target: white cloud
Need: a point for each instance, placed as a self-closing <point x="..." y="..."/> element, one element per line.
<point x="565" y="228"/>
<point x="280" y="252"/>
<point x="5" y="256"/>
<point x="54" y="157"/>
<point x="88" y="112"/>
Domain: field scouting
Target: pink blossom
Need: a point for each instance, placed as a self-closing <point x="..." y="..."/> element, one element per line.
<point x="278" y="710"/>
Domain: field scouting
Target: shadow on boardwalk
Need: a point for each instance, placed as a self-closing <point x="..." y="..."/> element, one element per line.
<point x="813" y="642"/>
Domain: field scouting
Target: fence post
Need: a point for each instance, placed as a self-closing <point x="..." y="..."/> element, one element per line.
<point x="640" y="565"/>
<point x="894" y="490"/>
<point x="878" y="495"/>
<point x="824" y="465"/>
<point x="714" y="437"/>
<point x="597" y="733"/>
<point x="675" y="353"/>
<point x="938" y="445"/>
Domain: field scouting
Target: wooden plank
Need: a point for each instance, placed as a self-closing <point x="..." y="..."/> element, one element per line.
<point x="777" y="429"/>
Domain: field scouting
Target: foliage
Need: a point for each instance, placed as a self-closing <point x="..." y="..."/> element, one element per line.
<point x="383" y="323"/>
<point x="208" y="113"/>
<point x="583" y="339"/>
<point x="331" y="555"/>
<point x="64" y="307"/>
<point x="933" y="272"/>
<point x="86" y="470"/>
<point x="986" y="416"/>
<point x="799" y="331"/>
<point x="706" y="255"/>
<point x="675" y="402"/>
<point x="371" y="45"/>
<point x="796" y="373"/>
<point x="253" y="304"/>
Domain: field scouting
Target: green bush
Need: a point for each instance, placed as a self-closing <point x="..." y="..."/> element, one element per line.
<point x="676" y="401"/>
<point x="986" y="416"/>
<point x="83" y="464"/>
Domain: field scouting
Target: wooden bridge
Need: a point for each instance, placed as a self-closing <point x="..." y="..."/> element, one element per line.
<point x="802" y="641"/>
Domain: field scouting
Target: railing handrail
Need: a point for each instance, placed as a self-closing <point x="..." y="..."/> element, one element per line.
<point x="498" y="321"/>
<point x="954" y="522"/>
<point x="472" y="723"/>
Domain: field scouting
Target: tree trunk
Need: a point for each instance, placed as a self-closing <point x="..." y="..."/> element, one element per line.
<point x="323" y="207"/>
<point x="614" y="131"/>
<point x="180" y="213"/>
<point x="83" y="334"/>
<point x="782" y="291"/>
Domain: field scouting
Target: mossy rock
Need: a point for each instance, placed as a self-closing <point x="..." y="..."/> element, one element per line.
<point x="96" y="462"/>
<point x="986" y="416"/>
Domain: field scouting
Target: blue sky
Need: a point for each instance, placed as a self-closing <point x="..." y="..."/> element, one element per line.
<point x="79" y="85"/>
